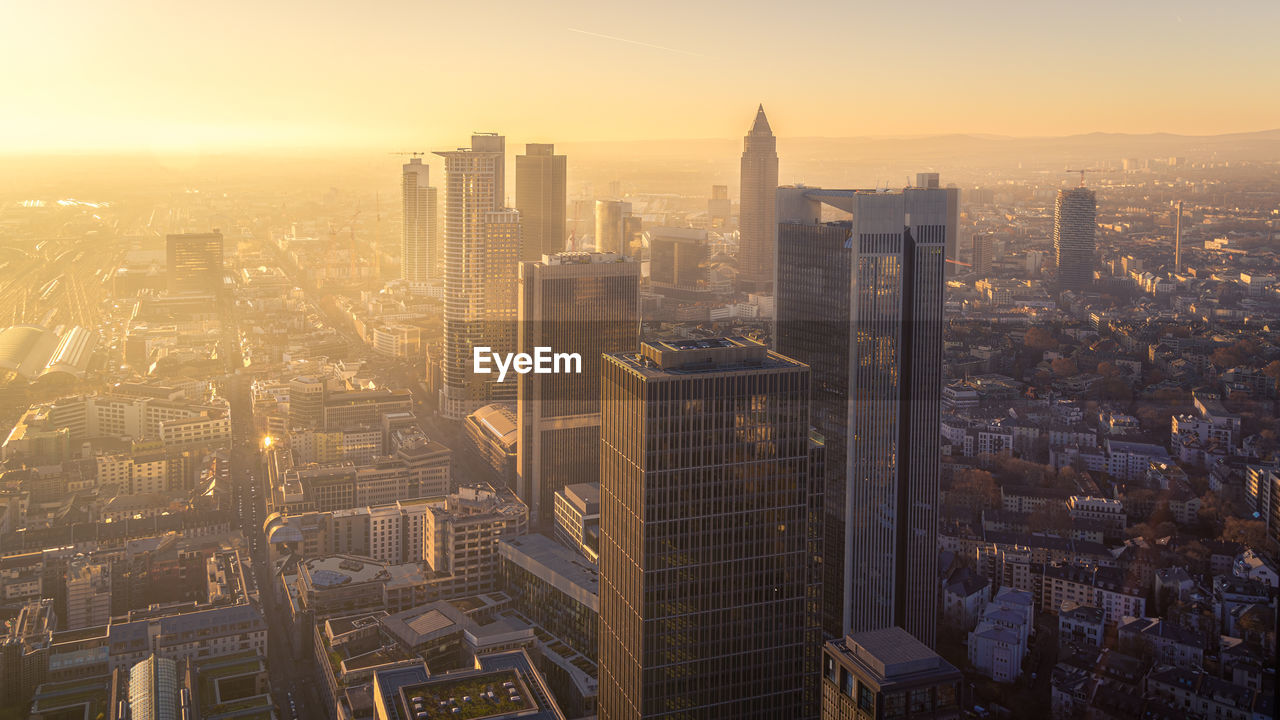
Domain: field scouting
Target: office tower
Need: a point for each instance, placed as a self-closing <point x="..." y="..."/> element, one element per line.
<point x="678" y="260"/>
<point x="503" y="242"/>
<point x="703" y="498"/>
<point x="419" y="240"/>
<point x="541" y="200"/>
<point x="584" y="303"/>
<point x="887" y="674"/>
<point x="860" y="301"/>
<point x="1178" y="240"/>
<point x="932" y="181"/>
<point x="473" y="189"/>
<point x="757" y="228"/>
<point x="153" y="690"/>
<point x="1075" y="227"/>
<point x="195" y="262"/>
<point x="719" y="208"/>
<point x="611" y="216"/>
<point x="984" y="246"/>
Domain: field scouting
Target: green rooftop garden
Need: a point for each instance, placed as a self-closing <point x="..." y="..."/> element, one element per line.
<point x="453" y="692"/>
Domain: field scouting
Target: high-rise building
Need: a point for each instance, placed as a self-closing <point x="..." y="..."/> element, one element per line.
<point x="678" y="260"/>
<point x="419" y="239"/>
<point x="584" y="303"/>
<point x="984" y="246"/>
<point x="1177" y="240"/>
<point x="541" y="199"/>
<point x="504" y="240"/>
<point x="153" y="690"/>
<point x="474" y="182"/>
<point x="704" y="492"/>
<point x="932" y="181"/>
<point x="194" y="262"/>
<point x="611" y="231"/>
<point x="860" y="301"/>
<point x="758" y="232"/>
<point x="887" y="674"/>
<point x="719" y="208"/>
<point x="1075" y="227"/>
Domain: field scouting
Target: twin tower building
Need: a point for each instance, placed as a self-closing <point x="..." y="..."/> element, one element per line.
<point x="754" y="502"/>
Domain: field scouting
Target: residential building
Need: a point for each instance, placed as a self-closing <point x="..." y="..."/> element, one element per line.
<point x="1075" y="228"/>
<point x="420" y="237"/>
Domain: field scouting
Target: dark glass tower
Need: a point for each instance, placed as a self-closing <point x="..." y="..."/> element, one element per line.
<point x="584" y="303"/>
<point x="704" y="568"/>
<point x="861" y="302"/>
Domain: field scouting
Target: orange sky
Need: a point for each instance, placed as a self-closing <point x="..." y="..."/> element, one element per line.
<point x="414" y="74"/>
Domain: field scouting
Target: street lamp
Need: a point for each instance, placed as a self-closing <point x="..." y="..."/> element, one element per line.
<point x="266" y="442"/>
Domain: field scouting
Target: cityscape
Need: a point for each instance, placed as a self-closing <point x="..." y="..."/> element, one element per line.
<point x="806" y="423"/>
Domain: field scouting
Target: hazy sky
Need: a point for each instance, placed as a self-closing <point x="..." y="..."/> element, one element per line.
<point x="416" y="75"/>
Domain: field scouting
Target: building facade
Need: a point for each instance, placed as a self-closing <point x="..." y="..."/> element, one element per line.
<point x="474" y="188"/>
<point x="861" y="303"/>
<point x="583" y="303"/>
<point x="420" y="239"/>
<point x="758" y="225"/>
<point x="1075" y="228"/>
<point x="704" y="474"/>
<point x="541" y="199"/>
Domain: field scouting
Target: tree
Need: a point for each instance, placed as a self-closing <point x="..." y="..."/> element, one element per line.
<point x="975" y="489"/>
<point x="1272" y="370"/>
<point x="1039" y="338"/>
<point x="1064" y="367"/>
<point x="1250" y="533"/>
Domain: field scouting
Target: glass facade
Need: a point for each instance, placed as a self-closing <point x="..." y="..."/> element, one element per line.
<point x="704" y="536"/>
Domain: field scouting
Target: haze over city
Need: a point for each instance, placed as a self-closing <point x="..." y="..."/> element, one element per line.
<point x="832" y="361"/>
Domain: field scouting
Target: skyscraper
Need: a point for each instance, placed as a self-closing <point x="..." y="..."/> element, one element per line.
<point x="1177" y="240"/>
<point x="503" y="236"/>
<point x="611" y="228"/>
<point x="194" y="262"/>
<point x="704" y="471"/>
<point x="932" y="181"/>
<point x="585" y="303"/>
<point x="473" y="190"/>
<point x="757" y="243"/>
<point x="984" y="245"/>
<point x="541" y="200"/>
<point x="719" y="209"/>
<point x="419" y="240"/>
<point x="860" y="301"/>
<point x="1075" y="227"/>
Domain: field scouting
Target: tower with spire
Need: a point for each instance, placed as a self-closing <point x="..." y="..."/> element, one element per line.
<point x="758" y="226"/>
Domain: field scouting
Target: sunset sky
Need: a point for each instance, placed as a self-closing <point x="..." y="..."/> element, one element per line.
<point x="413" y="74"/>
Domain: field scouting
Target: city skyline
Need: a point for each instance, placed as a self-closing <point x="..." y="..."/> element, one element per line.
<point x="947" y="388"/>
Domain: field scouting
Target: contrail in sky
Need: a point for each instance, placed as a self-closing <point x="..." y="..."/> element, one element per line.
<point x="635" y="42"/>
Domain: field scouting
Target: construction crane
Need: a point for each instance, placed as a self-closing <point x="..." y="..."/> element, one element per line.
<point x="1082" y="172"/>
<point x="414" y="154"/>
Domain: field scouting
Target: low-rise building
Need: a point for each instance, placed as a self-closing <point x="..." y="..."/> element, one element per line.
<point x="887" y="673"/>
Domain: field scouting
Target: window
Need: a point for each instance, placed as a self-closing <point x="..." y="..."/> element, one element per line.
<point x="866" y="698"/>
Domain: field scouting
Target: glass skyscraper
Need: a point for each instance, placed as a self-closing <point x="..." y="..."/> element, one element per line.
<point x="704" y="570"/>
